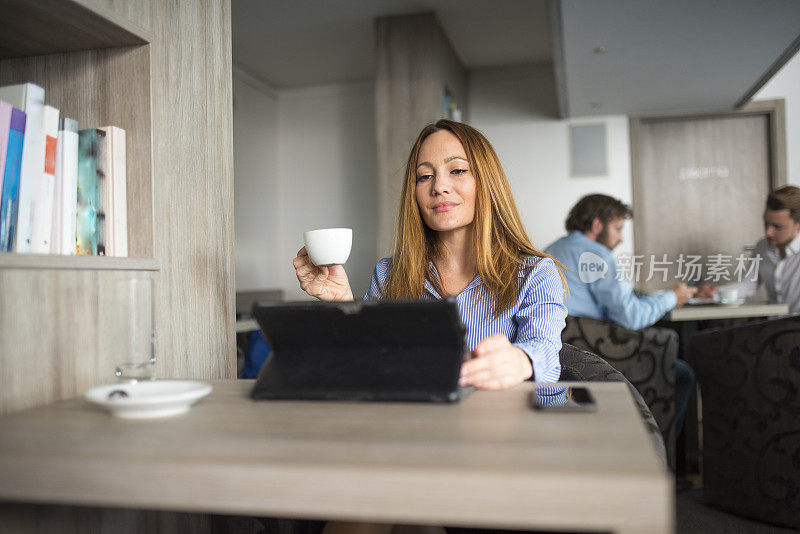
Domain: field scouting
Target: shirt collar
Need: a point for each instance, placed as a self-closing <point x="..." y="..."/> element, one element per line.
<point x="791" y="249"/>
<point x="429" y="286"/>
<point x="577" y="234"/>
<point x="794" y="246"/>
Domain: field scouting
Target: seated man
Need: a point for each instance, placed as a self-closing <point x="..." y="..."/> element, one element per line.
<point x="779" y="252"/>
<point x="595" y="229"/>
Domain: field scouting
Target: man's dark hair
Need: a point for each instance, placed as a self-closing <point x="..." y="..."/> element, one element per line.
<point x="786" y="198"/>
<point x="588" y="208"/>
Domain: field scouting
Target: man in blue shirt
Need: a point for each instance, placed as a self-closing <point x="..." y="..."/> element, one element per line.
<point x="595" y="228"/>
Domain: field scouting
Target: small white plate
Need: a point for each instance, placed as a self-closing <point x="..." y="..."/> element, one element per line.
<point x="141" y="400"/>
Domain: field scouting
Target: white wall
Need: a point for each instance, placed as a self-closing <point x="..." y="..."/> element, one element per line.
<point x="786" y="84"/>
<point x="515" y="108"/>
<point x="326" y="155"/>
<point x="304" y="159"/>
<point x="255" y="187"/>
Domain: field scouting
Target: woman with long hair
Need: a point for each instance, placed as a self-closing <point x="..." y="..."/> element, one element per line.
<point x="459" y="234"/>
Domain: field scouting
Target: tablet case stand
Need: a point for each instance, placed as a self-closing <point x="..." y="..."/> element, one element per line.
<point x="375" y="350"/>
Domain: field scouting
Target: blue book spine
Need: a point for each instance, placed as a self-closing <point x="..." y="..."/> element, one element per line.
<point x="9" y="200"/>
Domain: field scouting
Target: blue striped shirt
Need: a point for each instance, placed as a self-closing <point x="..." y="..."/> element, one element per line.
<point x="533" y="323"/>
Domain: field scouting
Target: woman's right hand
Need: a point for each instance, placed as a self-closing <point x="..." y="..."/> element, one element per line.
<point x="328" y="282"/>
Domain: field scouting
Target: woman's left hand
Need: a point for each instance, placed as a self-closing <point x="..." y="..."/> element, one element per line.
<point x="497" y="365"/>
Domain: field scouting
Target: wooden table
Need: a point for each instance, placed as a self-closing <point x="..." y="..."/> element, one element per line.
<point x="716" y="311"/>
<point x="488" y="461"/>
<point x="246" y="325"/>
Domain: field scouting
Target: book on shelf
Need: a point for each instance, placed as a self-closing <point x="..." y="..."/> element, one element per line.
<point x="43" y="202"/>
<point x="115" y="200"/>
<point x="5" y="125"/>
<point x="29" y="98"/>
<point x="65" y="195"/>
<point x="89" y="194"/>
<point x="9" y="196"/>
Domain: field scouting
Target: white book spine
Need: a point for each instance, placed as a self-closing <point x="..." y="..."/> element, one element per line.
<point x="58" y="191"/>
<point x="31" y="98"/>
<point x="43" y="203"/>
<point x="120" y="192"/>
<point x="66" y="188"/>
<point x="116" y="195"/>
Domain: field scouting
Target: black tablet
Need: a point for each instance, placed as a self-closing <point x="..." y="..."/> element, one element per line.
<point x="376" y="350"/>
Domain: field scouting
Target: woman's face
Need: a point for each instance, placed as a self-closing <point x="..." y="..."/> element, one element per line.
<point x="445" y="184"/>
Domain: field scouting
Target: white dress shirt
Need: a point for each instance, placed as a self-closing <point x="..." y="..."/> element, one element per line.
<point x="781" y="277"/>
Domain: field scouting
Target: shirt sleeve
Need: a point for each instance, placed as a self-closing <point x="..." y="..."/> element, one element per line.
<point x="623" y="306"/>
<point x="377" y="280"/>
<point x="540" y="320"/>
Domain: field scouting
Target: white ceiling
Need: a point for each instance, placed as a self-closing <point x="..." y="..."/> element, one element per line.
<point x="662" y="56"/>
<point x="289" y="43"/>
<point x="669" y="56"/>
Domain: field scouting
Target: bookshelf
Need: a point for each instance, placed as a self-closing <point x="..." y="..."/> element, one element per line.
<point x="162" y="71"/>
<point x="95" y="67"/>
<point x="42" y="261"/>
<point x="56" y="320"/>
<point x="35" y="28"/>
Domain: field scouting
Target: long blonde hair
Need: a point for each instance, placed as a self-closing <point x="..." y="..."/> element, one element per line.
<point x="501" y="242"/>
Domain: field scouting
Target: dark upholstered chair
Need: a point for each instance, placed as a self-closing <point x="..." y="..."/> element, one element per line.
<point x="749" y="380"/>
<point x="581" y="366"/>
<point x="645" y="357"/>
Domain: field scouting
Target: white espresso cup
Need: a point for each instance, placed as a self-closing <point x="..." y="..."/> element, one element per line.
<point x="328" y="246"/>
<point x="728" y="296"/>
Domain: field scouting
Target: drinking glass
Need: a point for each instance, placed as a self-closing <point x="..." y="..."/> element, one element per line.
<point x="134" y="339"/>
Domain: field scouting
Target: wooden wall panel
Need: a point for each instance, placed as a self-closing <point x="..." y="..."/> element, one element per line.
<point x="182" y="80"/>
<point x="57" y="332"/>
<point x="219" y="125"/>
<point x="415" y="62"/>
<point x="139" y="12"/>
<point x="194" y="188"/>
<point x="56" y="326"/>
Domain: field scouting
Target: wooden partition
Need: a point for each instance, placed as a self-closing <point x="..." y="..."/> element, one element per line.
<point x="416" y="64"/>
<point x="161" y="71"/>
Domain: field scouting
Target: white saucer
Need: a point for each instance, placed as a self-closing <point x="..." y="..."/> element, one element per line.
<point x="141" y="400"/>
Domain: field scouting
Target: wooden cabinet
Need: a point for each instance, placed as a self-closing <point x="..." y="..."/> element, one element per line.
<point x="169" y="86"/>
<point x="162" y="71"/>
<point x="95" y="68"/>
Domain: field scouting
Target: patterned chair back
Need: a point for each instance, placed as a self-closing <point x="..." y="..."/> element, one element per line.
<point x="582" y="366"/>
<point x="645" y="357"/>
<point x="749" y="380"/>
